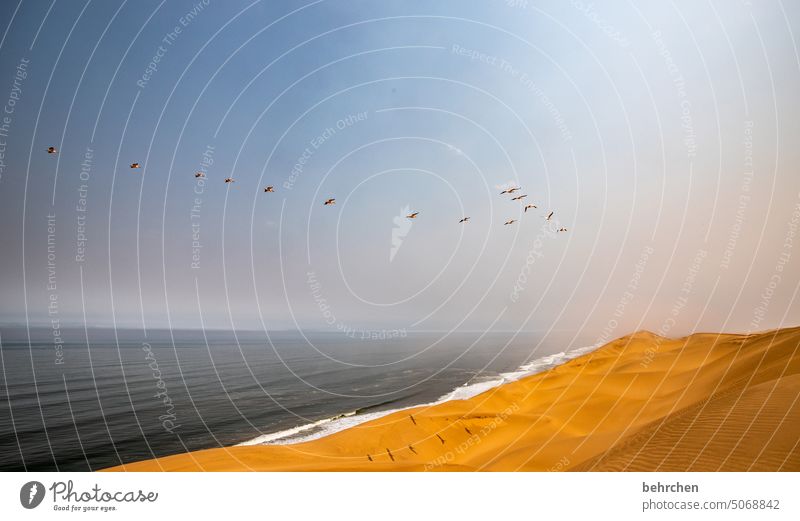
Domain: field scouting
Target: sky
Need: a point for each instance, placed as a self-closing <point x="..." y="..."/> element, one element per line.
<point x="662" y="136"/>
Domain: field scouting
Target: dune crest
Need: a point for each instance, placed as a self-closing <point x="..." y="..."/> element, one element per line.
<point x="643" y="402"/>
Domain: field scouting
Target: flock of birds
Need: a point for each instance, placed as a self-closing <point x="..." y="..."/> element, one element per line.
<point x="331" y="201"/>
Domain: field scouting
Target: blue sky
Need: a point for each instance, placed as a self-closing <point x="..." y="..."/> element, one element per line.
<point x="662" y="135"/>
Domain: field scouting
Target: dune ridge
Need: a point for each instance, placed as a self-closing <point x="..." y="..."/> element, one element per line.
<point x="705" y="402"/>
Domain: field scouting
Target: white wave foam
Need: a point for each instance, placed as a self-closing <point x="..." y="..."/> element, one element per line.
<point x="327" y="426"/>
<point x="275" y="437"/>
<point x="469" y="389"/>
<point x="318" y="429"/>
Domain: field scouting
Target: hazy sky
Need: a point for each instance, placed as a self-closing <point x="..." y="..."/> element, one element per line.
<point x="664" y="137"/>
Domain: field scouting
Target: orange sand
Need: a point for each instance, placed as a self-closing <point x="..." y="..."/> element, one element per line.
<point x="706" y="402"/>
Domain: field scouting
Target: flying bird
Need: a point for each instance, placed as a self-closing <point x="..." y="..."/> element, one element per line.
<point x="529" y="206"/>
<point x="519" y="197"/>
<point x="199" y="174"/>
<point x="52" y="150"/>
<point x="412" y="215"/>
<point x="512" y="221"/>
<point x="135" y="165"/>
<point x="330" y="201"/>
<point x="465" y="219"/>
<point x="269" y="189"/>
<point x="229" y="180"/>
<point x="509" y="190"/>
<point x="549" y="216"/>
<point x="562" y="229"/>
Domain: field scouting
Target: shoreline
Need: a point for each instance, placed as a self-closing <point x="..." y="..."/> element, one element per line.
<point x="641" y="402"/>
<point x="349" y="419"/>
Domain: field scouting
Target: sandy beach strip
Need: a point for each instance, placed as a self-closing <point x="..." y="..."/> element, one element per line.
<point x="706" y="402"/>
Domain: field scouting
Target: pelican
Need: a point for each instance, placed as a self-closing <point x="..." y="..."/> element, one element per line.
<point x="229" y="180"/>
<point x="512" y="221"/>
<point x="562" y="229"/>
<point x="330" y="201"/>
<point x="529" y="206"/>
<point x="199" y="174"/>
<point x="465" y="219"/>
<point x="549" y="216"/>
<point x="412" y="215"/>
<point x="135" y="165"/>
<point x="519" y="197"/>
<point x="269" y="189"/>
<point x="509" y="190"/>
<point x="52" y="150"/>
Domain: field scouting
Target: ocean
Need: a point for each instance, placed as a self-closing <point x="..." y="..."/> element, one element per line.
<point x="95" y="398"/>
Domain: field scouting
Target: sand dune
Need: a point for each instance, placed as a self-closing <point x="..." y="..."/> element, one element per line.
<point x="643" y="402"/>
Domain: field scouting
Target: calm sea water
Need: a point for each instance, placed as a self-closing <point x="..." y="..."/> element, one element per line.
<point x="108" y="397"/>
